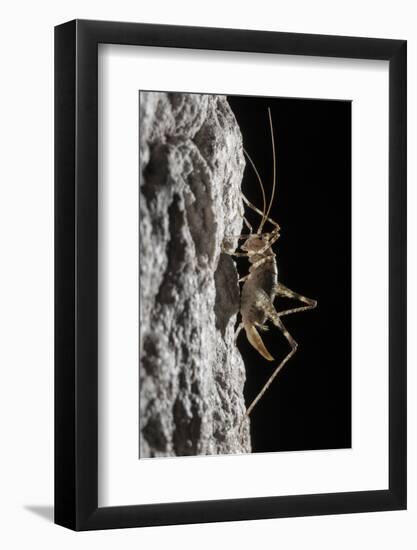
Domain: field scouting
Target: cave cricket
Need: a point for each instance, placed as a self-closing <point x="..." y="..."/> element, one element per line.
<point x="261" y="285"/>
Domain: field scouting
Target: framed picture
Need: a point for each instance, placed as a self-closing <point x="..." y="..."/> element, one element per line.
<point x="230" y="261"/>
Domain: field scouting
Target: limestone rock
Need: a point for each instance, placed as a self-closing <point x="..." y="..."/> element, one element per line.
<point x="191" y="373"/>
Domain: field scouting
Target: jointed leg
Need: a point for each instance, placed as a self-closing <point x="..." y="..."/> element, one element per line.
<point x="241" y="237"/>
<point x="268" y="245"/>
<point x="237" y="254"/>
<point x="255" y="265"/>
<point x="253" y="207"/>
<point x="233" y="253"/>
<point x="274" y="316"/>
<point x="282" y="290"/>
<point x="248" y="225"/>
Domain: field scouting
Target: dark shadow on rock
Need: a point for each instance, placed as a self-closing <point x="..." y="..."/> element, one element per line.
<point x="227" y="292"/>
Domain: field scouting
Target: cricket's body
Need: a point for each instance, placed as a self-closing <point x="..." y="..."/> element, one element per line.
<point x="260" y="285"/>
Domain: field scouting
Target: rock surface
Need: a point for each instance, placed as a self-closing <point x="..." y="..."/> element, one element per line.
<point x="191" y="373"/>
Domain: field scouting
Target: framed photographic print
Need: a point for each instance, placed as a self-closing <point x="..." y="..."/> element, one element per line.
<point x="230" y="274"/>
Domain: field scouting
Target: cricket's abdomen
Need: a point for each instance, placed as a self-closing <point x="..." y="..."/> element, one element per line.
<point x="258" y="286"/>
<point x="265" y="276"/>
<point x="257" y="295"/>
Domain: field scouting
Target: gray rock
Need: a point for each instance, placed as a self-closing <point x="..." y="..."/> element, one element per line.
<point x="191" y="373"/>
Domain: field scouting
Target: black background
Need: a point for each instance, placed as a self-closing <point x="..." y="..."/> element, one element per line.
<point x="308" y="405"/>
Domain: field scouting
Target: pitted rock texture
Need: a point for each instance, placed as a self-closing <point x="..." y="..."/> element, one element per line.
<point x="191" y="373"/>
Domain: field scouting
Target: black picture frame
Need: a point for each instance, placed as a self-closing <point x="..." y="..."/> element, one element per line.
<point x="76" y="271"/>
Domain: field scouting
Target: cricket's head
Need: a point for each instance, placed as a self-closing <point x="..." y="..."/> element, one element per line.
<point x="255" y="242"/>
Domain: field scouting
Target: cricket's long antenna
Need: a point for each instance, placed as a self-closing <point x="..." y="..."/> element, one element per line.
<point x="274" y="171"/>
<point x="262" y="189"/>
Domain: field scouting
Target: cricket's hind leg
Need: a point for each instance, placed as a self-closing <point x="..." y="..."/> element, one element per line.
<point x="274" y="316"/>
<point x="283" y="291"/>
